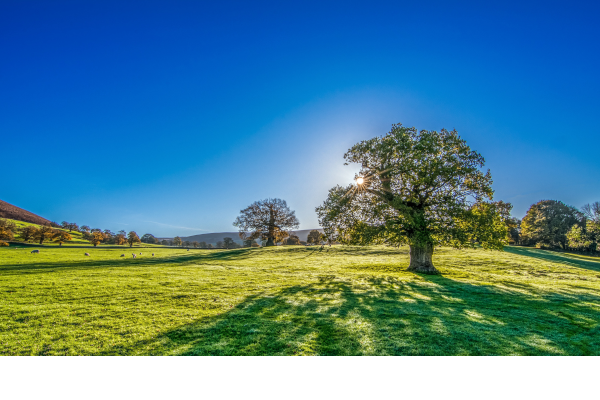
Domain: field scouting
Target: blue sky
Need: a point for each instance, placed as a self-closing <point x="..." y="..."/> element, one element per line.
<point x="170" y="117"/>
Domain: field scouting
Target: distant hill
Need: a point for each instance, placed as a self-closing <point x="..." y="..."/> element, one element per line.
<point x="7" y="210"/>
<point x="216" y="237"/>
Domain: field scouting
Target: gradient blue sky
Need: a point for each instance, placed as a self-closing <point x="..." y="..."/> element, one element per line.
<point x="170" y="117"/>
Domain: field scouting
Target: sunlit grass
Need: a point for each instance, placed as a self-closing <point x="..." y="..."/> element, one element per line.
<point x="297" y="301"/>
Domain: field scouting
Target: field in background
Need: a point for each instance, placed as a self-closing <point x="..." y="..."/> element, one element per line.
<point x="297" y="301"/>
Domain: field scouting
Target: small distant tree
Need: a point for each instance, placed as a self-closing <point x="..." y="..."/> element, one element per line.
<point x="265" y="218"/>
<point x="96" y="230"/>
<point x="203" y="245"/>
<point x="73" y="227"/>
<point x="592" y="211"/>
<point x="209" y="246"/>
<point x="96" y="238"/>
<point x="7" y="229"/>
<point x="149" y="238"/>
<point x="293" y="240"/>
<point x="195" y="244"/>
<point x="220" y="244"/>
<point x="248" y="242"/>
<point x="314" y="237"/>
<point x="120" y="238"/>
<point x="43" y="233"/>
<point x="228" y="243"/>
<point x="61" y="236"/>
<point x="132" y="238"/>
<point x="177" y="241"/>
<point x="84" y="229"/>
<point x="165" y="242"/>
<point x="64" y="225"/>
<point x="27" y="233"/>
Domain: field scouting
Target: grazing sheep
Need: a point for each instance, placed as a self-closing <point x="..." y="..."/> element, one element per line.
<point x="133" y="254"/>
<point x="122" y="255"/>
<point x="140" y="254"/>
<point x="152" y="254"/>
<point x="35" y="251"/>
<point x="87" y="254"/>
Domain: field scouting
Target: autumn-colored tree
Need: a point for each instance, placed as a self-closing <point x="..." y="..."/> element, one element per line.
<point x="96" y="238"/>
<point x="228" y="243"/>
<point x="7" y="229"/>
<point x="195" y="244"/>
<point x="177" y="241"/>
<point x="417" y="188"/>
<point x="3" y="243"/>
<point x="314" y="237"/>
<point x="61" y="236"/>
<point x="120" y="239"/>
<point x="43" y="233"/>
<point x="27" y="233"/>
<point x="132" y="238"/>
<point x="248" y="242"/>
<point x="264" y="219"/>
<point x="73" y="227"/>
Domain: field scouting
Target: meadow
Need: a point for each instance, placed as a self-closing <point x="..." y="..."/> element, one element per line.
<point x="296" y="300"/>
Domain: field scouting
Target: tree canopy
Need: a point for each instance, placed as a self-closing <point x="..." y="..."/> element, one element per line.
<point x="547" y="223"/>
<point x="132" y="238"/>
<point x="423" y="189"/>
<point x="266" y="219"/>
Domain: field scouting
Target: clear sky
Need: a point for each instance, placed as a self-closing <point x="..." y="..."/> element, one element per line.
<point x="169" y="117"/>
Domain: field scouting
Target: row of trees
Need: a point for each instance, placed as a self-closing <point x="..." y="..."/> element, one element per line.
<point x="8" y="231"/>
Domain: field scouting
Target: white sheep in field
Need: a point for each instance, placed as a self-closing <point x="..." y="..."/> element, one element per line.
<point x="87" y="254"/>
<point x="133" y="254"/>
<point x="35" y="251"/>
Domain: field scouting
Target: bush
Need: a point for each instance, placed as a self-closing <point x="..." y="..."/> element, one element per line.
<point x="3" y="243"/>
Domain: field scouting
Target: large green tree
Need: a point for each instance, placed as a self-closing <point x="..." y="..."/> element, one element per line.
<point x="424" y="189"/>
<point x="547" y="223"/>
<point x="267" y="219"/>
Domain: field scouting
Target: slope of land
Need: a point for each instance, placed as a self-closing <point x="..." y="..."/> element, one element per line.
<point x="298" y="301"/>
<point x="216" y="237"/>
<point x="9" y="211"/>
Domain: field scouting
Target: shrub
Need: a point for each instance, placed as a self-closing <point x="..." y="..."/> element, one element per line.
<point x="3" y="243"/>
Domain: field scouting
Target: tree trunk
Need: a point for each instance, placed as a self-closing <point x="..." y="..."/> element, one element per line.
<point x="421" y="259"/>
<point x="270" y="242"/>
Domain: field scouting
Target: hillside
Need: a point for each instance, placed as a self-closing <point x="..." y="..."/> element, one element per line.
<point x="9" y="211"/>
<point x="215" y="237"/>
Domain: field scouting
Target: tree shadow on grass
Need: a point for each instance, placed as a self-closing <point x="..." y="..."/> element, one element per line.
<point x="389" y="316"/>
<point x="86" y="263"/>
<point x="555" y="257"/>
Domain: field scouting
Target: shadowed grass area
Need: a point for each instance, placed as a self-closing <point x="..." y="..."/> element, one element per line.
<point x="298" y="301"/>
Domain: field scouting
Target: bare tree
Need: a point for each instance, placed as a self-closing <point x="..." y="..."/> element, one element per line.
<point x="265" y="219"/>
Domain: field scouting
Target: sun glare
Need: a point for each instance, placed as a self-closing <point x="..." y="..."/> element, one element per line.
<point x="360" y="181"/>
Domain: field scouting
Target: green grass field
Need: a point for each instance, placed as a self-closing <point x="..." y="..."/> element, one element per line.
<point x="297" y="301"/>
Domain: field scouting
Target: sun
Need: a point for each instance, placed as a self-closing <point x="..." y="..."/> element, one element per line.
<point x="360" y="181"/>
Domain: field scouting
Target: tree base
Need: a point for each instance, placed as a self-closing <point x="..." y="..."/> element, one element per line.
<point x="421" y="260"/>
